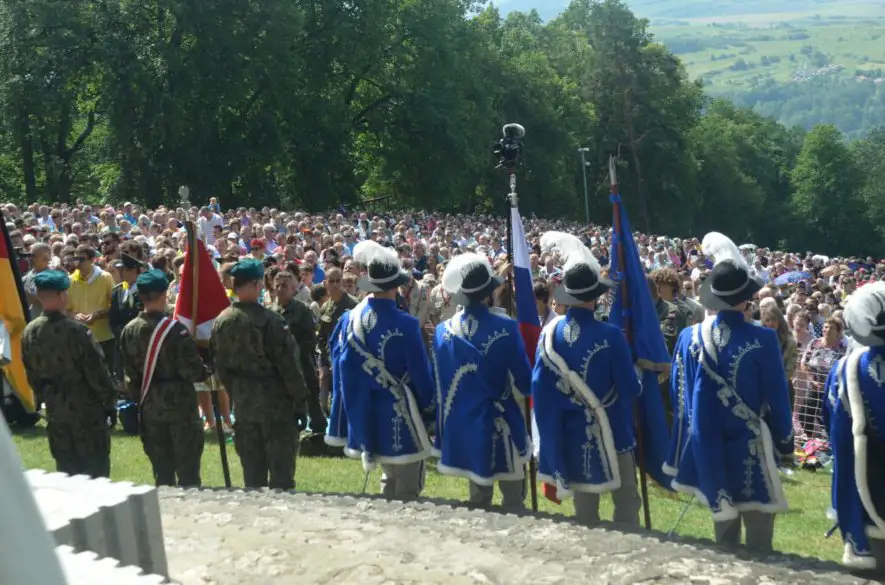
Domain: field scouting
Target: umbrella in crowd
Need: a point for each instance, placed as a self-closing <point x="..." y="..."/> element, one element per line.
<point x="792" y="277"/>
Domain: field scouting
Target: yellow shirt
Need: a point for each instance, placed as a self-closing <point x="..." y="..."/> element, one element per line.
<point x="86" y="297"/>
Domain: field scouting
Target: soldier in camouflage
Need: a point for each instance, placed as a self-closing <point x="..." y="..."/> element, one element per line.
<point x="330" y="313"/>
<point x="169" y="421"/>
<point x="669" y="289"/>
<point x="302" y="324"/>
<point x="667" y="315"/>
<point x="257" y="361"/>
<point x="65" y="367"/>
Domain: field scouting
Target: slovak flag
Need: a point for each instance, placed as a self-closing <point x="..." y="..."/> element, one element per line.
<point x="526" y="310"/>
<point x="200" y="288"/>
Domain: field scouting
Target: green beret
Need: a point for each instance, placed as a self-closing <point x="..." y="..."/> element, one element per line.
<point x="52" y="280"/>
<point x="152" y="281"/>
<point x="247" y="270"/>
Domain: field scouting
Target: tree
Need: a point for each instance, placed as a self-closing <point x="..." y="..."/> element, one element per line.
<point x="827" y="199"/>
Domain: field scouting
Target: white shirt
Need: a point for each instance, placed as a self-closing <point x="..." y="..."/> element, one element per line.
<point x="206" y="227"/>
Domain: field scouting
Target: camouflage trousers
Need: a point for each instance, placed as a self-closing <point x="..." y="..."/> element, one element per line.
<point x="175" y="450"/>
<point x="267" y="448"/>
<point x="78" y="450"/>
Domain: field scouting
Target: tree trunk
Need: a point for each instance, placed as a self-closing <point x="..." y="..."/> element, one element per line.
<point x="26" y="146"/>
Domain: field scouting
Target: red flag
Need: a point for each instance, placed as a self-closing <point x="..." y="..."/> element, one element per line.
<point x="200" y="290"/>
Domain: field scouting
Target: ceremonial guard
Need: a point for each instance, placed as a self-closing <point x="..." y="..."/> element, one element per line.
<point x="257" y="361"/>
<point x="584" y="387"/>
<point x="683" y="370"/>
<point x="383" y="389"/>
<point x="855" y="417"/>
<point x="161" y="363"/>
<point x="302" y="325"/>
<point x="482" y="379"/>
<point x="65" y="367"/>
<point x="740" y="422"/>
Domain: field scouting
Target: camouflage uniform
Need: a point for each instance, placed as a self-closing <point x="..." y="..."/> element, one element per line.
<point x="257" y="361"/>
<point x="696" y="311"/>
<point x="668" y="315"/>
<point x="302" y="325"/>
<point x="169" y="421"/>
<point x="65" y="367"/>
<point x="330" y="314"/>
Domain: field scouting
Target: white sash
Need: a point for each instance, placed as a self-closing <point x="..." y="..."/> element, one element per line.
<point x="755" y="422"/>
<point x="399" y="388"/>
<point x="150" y="361"/>
<point x="558" y="365"/>
<point x="851" y="387"/>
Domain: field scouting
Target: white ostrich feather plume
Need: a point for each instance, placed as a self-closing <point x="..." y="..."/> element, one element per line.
<point x="370" y="252"/>
<point x="459" y="267"/>
<point x="571" y="251"/>
<point x="863" y="309"/>
<point x="722" y="249"/>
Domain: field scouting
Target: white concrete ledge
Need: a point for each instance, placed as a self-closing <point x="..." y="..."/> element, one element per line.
<point x="87" y="568"/>
<point x="118" y="520"/>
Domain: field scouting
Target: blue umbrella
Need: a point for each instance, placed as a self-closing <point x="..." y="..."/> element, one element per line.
<point x="792" y="277"/>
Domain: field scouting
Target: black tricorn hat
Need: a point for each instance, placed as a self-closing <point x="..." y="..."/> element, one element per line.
<point x="580" y="284"/>
<point x="470" y="277"/>
<point x="728" y="286"/>
<point x="731" y="281"/>
<point x="383" y="269"/>
<point x="582" y="281"/>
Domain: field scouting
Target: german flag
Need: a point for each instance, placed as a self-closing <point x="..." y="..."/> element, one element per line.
<point x="15" y="314"/>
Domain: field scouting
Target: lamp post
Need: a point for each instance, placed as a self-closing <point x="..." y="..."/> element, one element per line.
<point x="584" y="164"/>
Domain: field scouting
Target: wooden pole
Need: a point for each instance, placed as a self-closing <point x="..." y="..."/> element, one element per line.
<point x="533" y="467"/>
<point x="627" y="324"/>
<point x="193" y="248"/>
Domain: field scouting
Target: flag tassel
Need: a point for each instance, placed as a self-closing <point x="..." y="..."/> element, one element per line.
<point x="628" y="332"/>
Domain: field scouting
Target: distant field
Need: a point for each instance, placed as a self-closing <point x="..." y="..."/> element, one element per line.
<point x="735" y="51"/>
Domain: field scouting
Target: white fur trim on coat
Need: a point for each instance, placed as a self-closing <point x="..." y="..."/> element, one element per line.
<point x="558" y="365"/>
<point x="858" y="431"/>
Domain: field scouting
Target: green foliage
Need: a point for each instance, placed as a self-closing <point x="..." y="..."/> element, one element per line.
<point x="317" y="103"/>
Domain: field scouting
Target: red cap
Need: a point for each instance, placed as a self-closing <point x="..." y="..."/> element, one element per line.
<point x="256" y="243"/>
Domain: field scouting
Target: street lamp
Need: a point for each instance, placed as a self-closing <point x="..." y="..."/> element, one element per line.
<point x="584" y="164"/>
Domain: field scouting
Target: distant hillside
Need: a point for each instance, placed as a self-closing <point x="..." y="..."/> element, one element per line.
<point x="694" y="9"/>
<point x="803" y="62"/>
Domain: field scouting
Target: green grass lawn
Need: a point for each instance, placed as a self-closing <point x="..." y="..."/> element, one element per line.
<point x="801" y="531"/>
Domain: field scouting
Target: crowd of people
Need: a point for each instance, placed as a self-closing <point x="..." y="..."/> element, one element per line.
<point x="316" y="272"/>
<point x="91" y="243"/>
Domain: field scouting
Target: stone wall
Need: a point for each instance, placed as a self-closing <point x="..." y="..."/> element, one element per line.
<point x="232" y="537"/>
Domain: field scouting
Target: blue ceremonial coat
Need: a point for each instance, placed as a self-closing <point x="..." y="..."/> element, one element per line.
<point x="584" y="386"/>
<point x="740" y="418"/>
<point x="855" y="417"/>
<point x="482" y="374"/>
<point x="336" y="428"/>
<point x="682" y="377"/>
<point x="384" y="390"/>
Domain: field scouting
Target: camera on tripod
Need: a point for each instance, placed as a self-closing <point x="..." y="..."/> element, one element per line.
<point x="509" y="148"/>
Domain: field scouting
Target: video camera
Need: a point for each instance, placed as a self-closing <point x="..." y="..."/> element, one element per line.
<point x="509" y="148"/>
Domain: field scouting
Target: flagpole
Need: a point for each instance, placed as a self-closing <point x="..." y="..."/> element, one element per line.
<point x="512" y="200"/>
<point x="628" y="332"/>
<point x="213" y="389"/>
